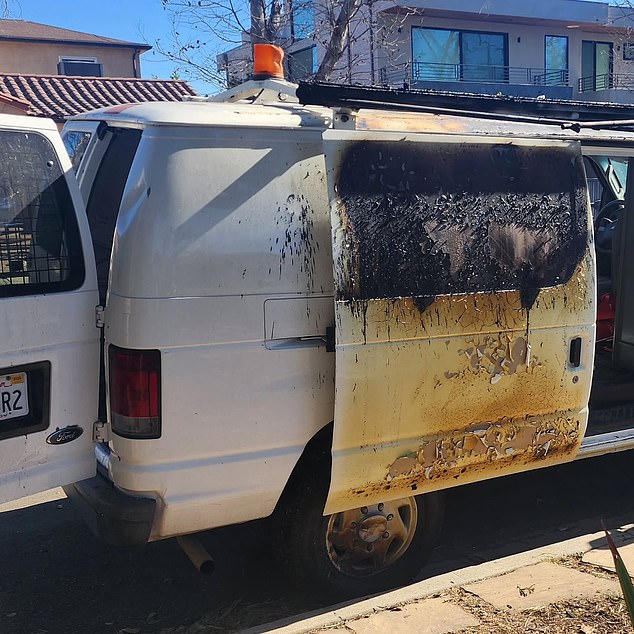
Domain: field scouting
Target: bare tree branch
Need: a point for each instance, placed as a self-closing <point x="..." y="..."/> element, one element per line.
<point x="343" y="32"/>
<point x="258" y="22"/>
<point x="339" y="39"/>
<point x="274" y="22"/>
<point x="9" y="8"/>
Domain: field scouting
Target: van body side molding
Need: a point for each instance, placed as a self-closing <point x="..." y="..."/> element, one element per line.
<point x="601" y="444"/>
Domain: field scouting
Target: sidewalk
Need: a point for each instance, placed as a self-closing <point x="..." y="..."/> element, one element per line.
<point x="571" y="580"/>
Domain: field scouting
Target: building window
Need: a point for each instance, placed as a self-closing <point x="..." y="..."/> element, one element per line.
<point x="555" y="60"/>
<point x="79" y="66"/>
<point x="302" y="19"/>
<point x="628" y="51"/>
<point x="448" y="55"/>
<point x="596" y="65"/>
<point x="302" y="64"/>
<point x="436" y="54"/>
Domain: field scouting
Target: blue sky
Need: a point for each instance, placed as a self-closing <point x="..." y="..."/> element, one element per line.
<point x="130" y="20"/>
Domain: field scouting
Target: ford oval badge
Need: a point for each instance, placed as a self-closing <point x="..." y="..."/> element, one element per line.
<point x="67" y="434"/>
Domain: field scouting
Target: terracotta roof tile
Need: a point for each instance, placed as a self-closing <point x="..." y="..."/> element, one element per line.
<point x="59" y="96"/>
<point x="25" y="30"/>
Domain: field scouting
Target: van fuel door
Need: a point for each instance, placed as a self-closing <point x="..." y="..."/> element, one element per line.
<point x="463" y="272"/>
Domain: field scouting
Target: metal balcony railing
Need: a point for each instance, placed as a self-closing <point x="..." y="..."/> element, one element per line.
<point x="606" y="82"/>
<point x="595" y="82"/>
<point x="484" y="74"/>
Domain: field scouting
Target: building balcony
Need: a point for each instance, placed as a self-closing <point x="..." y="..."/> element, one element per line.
<point x="488" y="79"/>
<point x="617" y="88"/>
<point x="608" y="81"/>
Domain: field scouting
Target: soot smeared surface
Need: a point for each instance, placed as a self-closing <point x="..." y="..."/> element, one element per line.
<point x="423" y="220"/>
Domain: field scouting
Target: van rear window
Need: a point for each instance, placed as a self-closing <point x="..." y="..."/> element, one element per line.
<point x="428" y="219"/>
<point x="40" y="246"/>
<point x="105" y="197"/>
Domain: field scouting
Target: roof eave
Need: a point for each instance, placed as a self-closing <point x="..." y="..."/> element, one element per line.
<point x="35" y="40"/>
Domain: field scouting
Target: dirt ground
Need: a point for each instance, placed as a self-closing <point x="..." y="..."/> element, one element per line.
<point x="58" y="579"/>
<point x="604" y="615"/>
<point x="607" y="615"/>
<point x="600" y="615"/>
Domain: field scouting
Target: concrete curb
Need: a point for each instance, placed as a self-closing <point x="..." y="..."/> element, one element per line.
<point x="308" y="622"/>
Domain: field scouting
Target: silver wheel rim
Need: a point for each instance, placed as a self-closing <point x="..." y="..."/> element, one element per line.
<point x="365" y="541"/>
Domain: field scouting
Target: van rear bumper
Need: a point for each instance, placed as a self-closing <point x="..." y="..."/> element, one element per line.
<point x="113" y="516"/>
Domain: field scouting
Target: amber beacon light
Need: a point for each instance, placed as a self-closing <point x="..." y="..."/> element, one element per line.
<point x="267" y="61"/>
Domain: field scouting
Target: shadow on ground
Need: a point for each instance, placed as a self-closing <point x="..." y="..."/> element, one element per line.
<point x="57" y="579"/>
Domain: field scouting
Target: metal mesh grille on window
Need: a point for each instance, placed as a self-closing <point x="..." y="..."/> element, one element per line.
<point x="33" y="248"/>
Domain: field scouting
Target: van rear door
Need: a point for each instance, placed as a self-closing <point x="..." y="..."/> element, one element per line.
<point x="49" y="351"/>
<point x="465" y="308"/>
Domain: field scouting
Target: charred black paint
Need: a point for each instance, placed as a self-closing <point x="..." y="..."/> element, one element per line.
<point x="423" y="220"/>
<point x="296" y="215"/>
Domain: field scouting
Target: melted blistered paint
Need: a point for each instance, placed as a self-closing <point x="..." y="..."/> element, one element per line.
<point x="498" y="441"/>
<point x="454" y="314"/>
<point x="484" y="449"/>
<point x="497" y="355"/>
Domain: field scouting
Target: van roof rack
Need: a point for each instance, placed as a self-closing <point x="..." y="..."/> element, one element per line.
<point x="255" y="90"/>
<point x="567" y="113"/>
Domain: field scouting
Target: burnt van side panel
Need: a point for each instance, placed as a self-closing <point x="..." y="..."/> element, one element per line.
<point x="222" y="261"/>
<point x="464" y="273"/>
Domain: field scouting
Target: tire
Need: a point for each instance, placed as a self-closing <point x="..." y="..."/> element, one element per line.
<point x="358" y="552"/>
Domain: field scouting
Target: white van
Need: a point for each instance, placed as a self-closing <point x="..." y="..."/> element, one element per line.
<point x="326" y="313"/>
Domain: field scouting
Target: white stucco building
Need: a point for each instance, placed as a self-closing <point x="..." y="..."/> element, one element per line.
<point x="557" y="48"/>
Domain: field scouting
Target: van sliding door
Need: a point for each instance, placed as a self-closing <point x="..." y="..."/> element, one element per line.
<point x="464" y="310"/>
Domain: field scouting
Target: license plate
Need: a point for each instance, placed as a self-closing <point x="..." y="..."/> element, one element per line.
<point x="14" y="398"/>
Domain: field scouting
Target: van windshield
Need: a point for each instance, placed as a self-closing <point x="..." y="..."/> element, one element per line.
<point x="76" y="143"/>
<point x="615" y="170"/>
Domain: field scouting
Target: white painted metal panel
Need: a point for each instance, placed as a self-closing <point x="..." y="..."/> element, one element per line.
<point x="56" y="331"/>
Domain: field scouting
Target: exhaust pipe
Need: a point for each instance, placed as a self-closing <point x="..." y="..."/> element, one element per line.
<point x="197" y="553"/>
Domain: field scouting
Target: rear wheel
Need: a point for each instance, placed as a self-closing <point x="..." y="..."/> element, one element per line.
<point x="360" y="551"/>
<point x="363" y="541"/>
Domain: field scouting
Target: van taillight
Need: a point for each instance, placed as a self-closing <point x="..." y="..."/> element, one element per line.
<point x="135" y="392"/>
